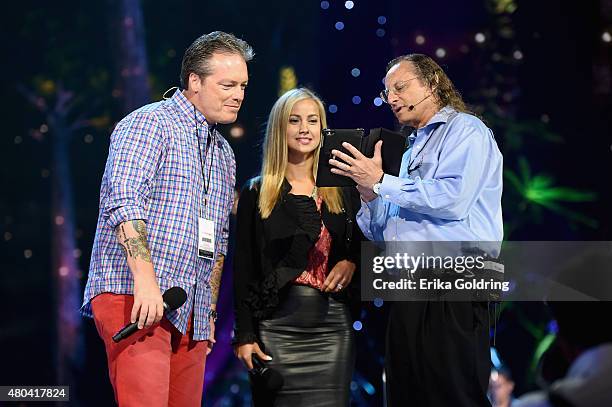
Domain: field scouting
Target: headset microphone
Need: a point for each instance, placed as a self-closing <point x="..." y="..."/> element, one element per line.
<point x="411" y="107"/>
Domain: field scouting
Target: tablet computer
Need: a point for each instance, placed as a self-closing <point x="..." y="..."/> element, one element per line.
<point x="332" y="140"/>
<point x="393" y="148"/>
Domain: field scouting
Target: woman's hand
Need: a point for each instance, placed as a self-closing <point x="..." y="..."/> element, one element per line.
<point x="245" y="351"/>
<point x="339" y="277"/>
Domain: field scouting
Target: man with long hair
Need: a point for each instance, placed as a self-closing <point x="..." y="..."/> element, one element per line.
<point x="449" y="189"/>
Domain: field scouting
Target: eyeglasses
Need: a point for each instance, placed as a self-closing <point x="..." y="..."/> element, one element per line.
<point x="399" y="88"/>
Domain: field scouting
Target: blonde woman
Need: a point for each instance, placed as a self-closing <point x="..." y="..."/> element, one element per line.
<point x="296" y="258"/>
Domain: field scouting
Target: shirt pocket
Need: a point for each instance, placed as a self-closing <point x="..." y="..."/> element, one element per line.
<point x="427" y="165"/>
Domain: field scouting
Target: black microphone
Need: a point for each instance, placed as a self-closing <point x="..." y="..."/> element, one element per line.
<point x="411" y="107"/>
<point x="173" y="298"/>
<point x="266" y="377"/>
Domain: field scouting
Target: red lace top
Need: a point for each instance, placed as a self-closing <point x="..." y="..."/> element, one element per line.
<point x="316" y="270"/>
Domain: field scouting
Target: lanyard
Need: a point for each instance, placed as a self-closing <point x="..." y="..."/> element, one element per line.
<point x="204" y="159"/>
<point x="418" y="153"/>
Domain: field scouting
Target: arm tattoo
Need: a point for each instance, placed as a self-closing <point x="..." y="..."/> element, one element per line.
<point x="123" y="241"/>
<point x="135" y="247"/>
<point x="139" y="245"/>
<point x="215" y="278"/>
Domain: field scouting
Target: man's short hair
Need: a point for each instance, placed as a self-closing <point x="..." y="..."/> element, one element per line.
<point x="197" y="56"/>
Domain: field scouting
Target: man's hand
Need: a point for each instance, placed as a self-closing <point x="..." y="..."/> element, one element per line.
<point x="363" y="170"/>
<point x="148" y="308"/>
<point x="211" y="338"/>
<point x="339" y="277"/>
<point x="245" y="351"/>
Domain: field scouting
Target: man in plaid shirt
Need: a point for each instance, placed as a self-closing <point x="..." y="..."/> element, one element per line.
<point x="165" y="202"/>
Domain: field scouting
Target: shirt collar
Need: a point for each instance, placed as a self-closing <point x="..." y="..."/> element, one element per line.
<point x="441" y="116"/>
<point x="186" y="108"/>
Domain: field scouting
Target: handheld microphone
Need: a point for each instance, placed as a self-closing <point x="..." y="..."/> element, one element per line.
<point x="411" y="107"/>
<point x="173" y="298"/>
<point x="266" y="377"/>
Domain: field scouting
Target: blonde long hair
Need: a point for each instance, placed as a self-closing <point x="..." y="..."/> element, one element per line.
<point x="276" y="153"/>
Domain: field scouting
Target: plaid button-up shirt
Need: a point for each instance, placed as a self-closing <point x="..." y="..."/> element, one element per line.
<point x="155" y="173"/>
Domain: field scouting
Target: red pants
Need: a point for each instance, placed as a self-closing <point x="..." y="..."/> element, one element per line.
<point x="154" y="367"/>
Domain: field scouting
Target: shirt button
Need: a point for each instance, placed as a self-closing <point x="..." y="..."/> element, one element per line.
<point x="387" y="196"/>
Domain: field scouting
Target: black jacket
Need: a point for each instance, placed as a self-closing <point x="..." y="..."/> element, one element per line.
<point x="272" y="252"/>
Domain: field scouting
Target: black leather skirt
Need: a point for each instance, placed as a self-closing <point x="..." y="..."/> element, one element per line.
<point x="311" y="341"/>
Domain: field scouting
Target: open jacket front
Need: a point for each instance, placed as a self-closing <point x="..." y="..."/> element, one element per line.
<point x="272" y="252"/>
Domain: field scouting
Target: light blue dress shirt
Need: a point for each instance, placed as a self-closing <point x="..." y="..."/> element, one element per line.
<point x="449" y="187"/>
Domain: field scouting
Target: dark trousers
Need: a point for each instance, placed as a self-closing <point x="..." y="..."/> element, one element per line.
<point x="438" y="354"/>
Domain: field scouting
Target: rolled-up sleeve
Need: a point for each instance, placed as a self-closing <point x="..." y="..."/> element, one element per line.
<point x="136" y="151"/>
